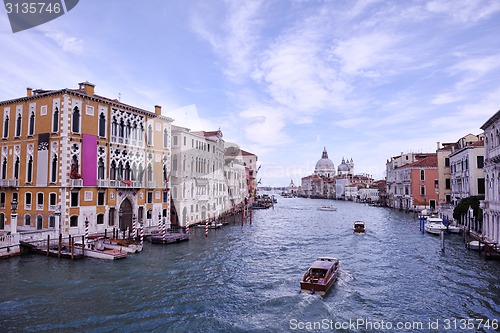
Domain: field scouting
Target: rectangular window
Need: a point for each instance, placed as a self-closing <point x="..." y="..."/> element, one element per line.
<point x="184" y="141"/>
<point x="100" y="219"/>
<point x="43" y="110"/>
<point x="74" y="199"/>
<point x="100" y="198"/>
<point x="111" y="216"/>
<point x="27" y="201"/>
<point x="165" y="196"/>
<point x="480" y="186"/>
<point x="448" y="184"/>
<point x="52" y="221"/>
<point x="73" y="221"/>
<point x="480" y="162"/>
<point x="150" y="197"/>
<point x="447" y="162"/>
<point x="175" y="140"/>
<point x="2" y="200"/>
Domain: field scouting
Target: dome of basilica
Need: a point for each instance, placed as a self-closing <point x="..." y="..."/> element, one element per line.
<point x="325" y="167"/>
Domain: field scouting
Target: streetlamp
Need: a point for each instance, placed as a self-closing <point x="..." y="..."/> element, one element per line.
<point x="120" y="216"/>
<point x="13" y="216"/>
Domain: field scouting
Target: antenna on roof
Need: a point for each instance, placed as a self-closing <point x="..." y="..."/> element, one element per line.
<point x="119" y="97"/>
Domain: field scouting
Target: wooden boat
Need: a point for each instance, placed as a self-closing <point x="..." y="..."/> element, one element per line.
<point x="321" y="276"/>
<point x="122" y="245"/>
<point x="327" y="208"/>
<point x="359" y="227"/>
<point x="95" y="249"/>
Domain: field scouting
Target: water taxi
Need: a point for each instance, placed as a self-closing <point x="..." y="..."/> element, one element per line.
<point x="321" y="276"/>
<point x="327" y="208"/>
<point x="359" y="227"/>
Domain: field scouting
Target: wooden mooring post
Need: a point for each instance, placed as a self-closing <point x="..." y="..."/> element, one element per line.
<point x="72" y="247"/>
<point x="59" y="246"/>
<point x="48" y="244"/>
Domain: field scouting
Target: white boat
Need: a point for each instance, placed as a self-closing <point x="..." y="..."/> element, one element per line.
<point x="122" y="245"/>
<point x="454" y="229"/>
<point x="434" y="228"/>
<point x="327" y="208"/>
<point x="475" y="245"/>
<point x="96" y="249"/>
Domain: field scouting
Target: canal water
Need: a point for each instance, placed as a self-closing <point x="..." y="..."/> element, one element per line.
<point x="245" y="278"/>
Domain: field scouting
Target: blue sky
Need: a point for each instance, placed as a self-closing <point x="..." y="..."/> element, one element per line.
<point x="283" y="79"/>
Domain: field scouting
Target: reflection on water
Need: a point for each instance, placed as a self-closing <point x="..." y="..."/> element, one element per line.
<point x="245" y="278"/>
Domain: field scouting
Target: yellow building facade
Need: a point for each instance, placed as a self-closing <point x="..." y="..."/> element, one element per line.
<point x="69" y="156"/>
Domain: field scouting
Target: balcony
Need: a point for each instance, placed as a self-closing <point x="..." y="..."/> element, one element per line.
<point x="119" y="183"/>
<point x="75" y="182"/>
<point x="9" y="182"/>
<point x="494" y="154"/>
<point x="151" y="184"/>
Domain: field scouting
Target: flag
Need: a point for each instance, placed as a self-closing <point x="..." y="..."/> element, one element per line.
<point x="42" y="159"/>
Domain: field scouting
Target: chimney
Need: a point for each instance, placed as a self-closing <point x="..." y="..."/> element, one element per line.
<point x="438" y="144"/>
<point x="29" y="92"/>
<point x="158" y="109"/>
<point x="87" y="87"/>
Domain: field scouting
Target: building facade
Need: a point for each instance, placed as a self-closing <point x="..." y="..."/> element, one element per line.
<point x="491" y="203"/>
<point x="467" y="168"/>
<point x="70" y="156"/>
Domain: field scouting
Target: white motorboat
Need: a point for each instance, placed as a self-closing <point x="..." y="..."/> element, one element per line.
<point x="327" y="208"/>
<point x="475" y="245"/>
<point x="434" y="225"/>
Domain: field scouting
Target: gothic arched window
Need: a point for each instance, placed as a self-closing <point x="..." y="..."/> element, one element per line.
<point x="76" y="120"/>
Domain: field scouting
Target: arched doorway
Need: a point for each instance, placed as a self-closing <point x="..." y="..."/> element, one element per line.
<point x="125" y="214"/>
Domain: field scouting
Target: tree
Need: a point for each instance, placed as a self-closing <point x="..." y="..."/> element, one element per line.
<point x="463" y="208"/>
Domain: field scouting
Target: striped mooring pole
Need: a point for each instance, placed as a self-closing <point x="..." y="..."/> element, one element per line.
<point x="163" y="230"/>
<point x="134" y="227"/>
<point x="86" y="231"/>
<point x="206" y="227"/>
<point x="187" y="227"/>
<point x="141" y="233"/>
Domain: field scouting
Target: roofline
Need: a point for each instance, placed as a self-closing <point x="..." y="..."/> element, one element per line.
<point x="96" y="98"/>
<point x="490" y="121"/>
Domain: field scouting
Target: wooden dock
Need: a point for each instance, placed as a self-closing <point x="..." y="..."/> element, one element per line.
<point x="169" y="238"/>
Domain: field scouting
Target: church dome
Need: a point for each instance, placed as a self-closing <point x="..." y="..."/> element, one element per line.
<point x="343" y="167"/>
<point x="325" y="167"/>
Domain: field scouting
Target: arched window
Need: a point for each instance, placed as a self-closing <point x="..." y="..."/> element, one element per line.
<point x="150" y="135"/>
<point x="6" y="127"/>
<point x="27" y="219"/>
<point x="112" y="171"/>
<point x="140" y="174"/>
<point x="55" y="120"/>
<point x="114" y="127"/>
<point x="2" y="221"/>
<point x="120" y="129"/>
<point x="150" y="173"/>
<point x="18" y="124"/>
<point x="76" y="120"/>
<point x="31" y="125"/>
<point x="53" y="171"/>
<point x="165" y="138"/>
<point x="29" y="171"/>
<point x="102" y="125"/>
<point x="16" y="168"/>
<point x="100" y="169"/>
<point x="120" y="171"/>
<point x="127" y="171"/>
<point x="4" y="168"/>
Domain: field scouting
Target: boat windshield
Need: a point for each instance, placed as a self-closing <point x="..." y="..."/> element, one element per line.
<point x="318" y="272"/>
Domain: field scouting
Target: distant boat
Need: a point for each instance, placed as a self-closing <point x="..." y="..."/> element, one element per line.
<point x="327" y="208"/>
<point x="359" y="227"/>
<point x="321" y="276"/>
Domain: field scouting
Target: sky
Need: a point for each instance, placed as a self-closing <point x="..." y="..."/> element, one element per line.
<point x="282" y="79"/>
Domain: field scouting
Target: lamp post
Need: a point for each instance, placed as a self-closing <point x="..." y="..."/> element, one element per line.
<point x="13" y="217"/>
<point x="120" y="216"/>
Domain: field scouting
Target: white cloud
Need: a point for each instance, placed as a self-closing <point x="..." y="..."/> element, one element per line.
<point x="67" y="43"/>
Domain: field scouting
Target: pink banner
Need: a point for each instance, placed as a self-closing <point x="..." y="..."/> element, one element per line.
<point x="89" y="160"/>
